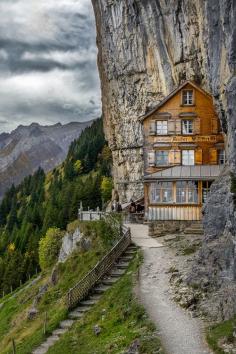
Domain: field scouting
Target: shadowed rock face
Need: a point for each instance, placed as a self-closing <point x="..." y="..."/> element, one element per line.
<point x="29" y="147"/>
<point x="146" y="48"/>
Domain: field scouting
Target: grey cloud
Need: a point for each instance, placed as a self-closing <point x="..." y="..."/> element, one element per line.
<point x="48" y="69"/>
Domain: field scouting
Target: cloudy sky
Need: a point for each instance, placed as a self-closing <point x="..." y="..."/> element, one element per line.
<point x="48" y="71"/>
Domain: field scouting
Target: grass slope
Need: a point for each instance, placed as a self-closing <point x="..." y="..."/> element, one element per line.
<point x="14" y="322"/>
<point x="122" y="321"/>
<point x="222" y="333"/>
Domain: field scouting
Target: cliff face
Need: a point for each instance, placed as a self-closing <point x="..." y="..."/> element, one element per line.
<point x="146" y="48"/>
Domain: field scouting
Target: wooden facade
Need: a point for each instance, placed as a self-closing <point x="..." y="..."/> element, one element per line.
<point x="183" y="130"/>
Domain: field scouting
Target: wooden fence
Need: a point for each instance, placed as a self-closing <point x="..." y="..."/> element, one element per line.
<point x="80" y="290"/>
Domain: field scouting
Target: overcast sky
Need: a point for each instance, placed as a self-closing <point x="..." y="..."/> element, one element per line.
<point x="48" y="71"/>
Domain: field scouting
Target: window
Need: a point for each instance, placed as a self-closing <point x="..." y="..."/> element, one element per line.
<point x="187" y="126"/>
<point x="221" y="157"/>
<point x="188" y="157"/>
<point x="162" y="127"/>
<point x="206" y="185"/>
<point x="161" y="192"/>
<point x="187" y="97"/>
<point x="186" y="192"/>
<point x="162" y="157"/>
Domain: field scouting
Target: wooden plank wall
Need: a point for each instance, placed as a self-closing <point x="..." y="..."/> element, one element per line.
<point x="187" y="213"/>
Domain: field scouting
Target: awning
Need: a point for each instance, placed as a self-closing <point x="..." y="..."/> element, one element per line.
<point x="200" y="172"/>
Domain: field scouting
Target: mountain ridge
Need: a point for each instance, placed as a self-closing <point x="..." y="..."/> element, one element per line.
<point x="26" y="148"/>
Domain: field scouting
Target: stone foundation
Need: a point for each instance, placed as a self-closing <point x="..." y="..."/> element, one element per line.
<point x="162" y="228"/>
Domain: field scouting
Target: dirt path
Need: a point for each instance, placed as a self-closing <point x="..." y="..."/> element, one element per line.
<point x="180" y="333"/>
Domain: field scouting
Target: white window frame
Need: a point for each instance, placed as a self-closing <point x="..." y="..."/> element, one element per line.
<point x="187" y="99"/>
<point x="162" y="127"/>
<point x="188" y="157"/>
<point x="187" y="128"/>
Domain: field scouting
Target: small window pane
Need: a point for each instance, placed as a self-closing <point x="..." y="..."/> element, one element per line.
<point x="221" y="157"/>
<point x="187" y="126"/>
<point x="181" y="188"/>
<point x="188" y="158"/>
<point x="192" y="196"/>
<point x="162" y="158"/>
<point x="155" y="193"/>
<point x="161" y="192"/>
<point x="162" y="127"/>
<point x="187" y="192"/>
<point x="187" y="97"/>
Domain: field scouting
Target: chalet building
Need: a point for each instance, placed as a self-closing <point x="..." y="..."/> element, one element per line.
<point x="183" y="154"/>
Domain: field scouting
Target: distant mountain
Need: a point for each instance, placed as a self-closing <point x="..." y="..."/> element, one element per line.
<point x="26" y="148"/>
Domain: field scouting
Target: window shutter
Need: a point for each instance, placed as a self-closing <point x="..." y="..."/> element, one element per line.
<point x="198" y="156"/>
<point x="171" y="126"/>
<point x="214" y="126"/>
<point x="177" y="157"/>
<point x="213" y="156"/>
<point x="171" y="157"/>
<point x="178" y="128"/>
<point x="152" y="127"/>
<point x="174" y="157"/>
<point x="197" y="126"/>
<point x="151" y="158"/>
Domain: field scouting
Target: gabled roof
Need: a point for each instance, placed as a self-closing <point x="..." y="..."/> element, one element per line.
<point x="173" y="93"/>
<point x="197" y="172"/>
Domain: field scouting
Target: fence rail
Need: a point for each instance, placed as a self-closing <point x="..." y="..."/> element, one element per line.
<point x="80" y="290"/>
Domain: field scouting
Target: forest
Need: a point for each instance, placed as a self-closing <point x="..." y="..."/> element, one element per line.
<point x="43" y="201"/>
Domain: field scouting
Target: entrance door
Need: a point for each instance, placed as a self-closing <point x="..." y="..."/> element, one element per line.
<point x="206" y="185"/>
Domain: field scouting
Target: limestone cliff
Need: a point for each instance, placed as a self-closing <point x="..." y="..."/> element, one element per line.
<point x="146" y="48"/>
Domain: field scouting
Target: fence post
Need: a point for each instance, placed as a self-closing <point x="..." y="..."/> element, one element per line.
<point x="13" y="347"/>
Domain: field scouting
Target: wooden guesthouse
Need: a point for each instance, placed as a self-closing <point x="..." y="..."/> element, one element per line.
<point x="183" y="154"/>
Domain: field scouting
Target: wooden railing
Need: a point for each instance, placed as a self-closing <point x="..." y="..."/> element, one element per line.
<point x="80" y="290"/>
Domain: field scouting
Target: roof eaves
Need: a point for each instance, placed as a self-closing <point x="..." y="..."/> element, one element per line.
<point x="142" y="118"/>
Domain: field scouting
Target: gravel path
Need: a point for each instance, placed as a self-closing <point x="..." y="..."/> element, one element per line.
<point x="180" y="333"/>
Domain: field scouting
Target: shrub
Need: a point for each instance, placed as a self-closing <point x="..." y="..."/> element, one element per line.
<point x="49" y="247"/>
<point x="106" y="187"/>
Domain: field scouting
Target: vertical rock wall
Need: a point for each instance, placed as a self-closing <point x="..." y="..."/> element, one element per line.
<point x="146" y="48"/>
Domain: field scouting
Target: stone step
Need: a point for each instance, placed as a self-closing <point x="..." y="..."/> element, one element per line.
<point x="194" y="228"/>
<point x="132" y="248"/>
<point x="101" y="289"/>
<point x="109" y="281"/>
<point x="75" y="315"/>
<point x="88" y="302"/>
<point x="117" y="273"/>
<point x="126" y="258"/>
<point x="66" y="323"/>
<point x="59" y="332"/>
<point x="50" y="341"/>
<point x="193" y="232"/>
<point x="95" y="297"/>
<point x="122" y="265"/>
<point x="83" y="309"/>
<point x="130" y="251"/>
